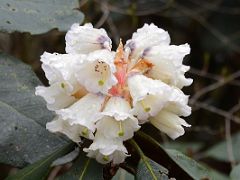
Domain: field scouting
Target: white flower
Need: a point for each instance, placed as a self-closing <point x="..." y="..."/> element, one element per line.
<point x="169" y="123"/>
<point x="107" y="150"/>
<point x="84" y="112"/>
<point x="57" y="96"/>
<point x="61" y="67"/>
<point x="149" y="96"/>
<point x="96" y="91"/>
<point x="85" y="39"/>
<point x="146" y="37"/>
<point x="97" y="73"/>
<point x="167" y="64"/>
<point x="60" y="71"/>
<point x="116" y="116"/>
<point x="73" y="132"/>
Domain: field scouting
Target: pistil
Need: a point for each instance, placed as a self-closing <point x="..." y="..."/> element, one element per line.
<point x="146" y="109"/>
<point x="121" y="132"/>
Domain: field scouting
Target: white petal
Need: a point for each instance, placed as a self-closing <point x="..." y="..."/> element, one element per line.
<point x="84" y="112"/>
<point x="73" y="132"/>
<point x="97" y="73"/>
<point x="61" y="67"/>
<point x="149" y="96"/>
<point x="178" y="103"/>
<point x="146" y="37"/>
<point x="85" y="39"/>
<point x="167" y="61"/>
<point x="107" y="150"/>
<point x="57" y="95"/>
<point x="169" y="123"/>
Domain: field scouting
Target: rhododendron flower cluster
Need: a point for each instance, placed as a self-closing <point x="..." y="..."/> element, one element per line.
<point x="106" y="95"/>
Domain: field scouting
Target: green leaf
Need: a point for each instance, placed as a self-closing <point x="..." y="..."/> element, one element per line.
<point x="188" y="165"/>
<point x="147" y="167"/>
<point x="185" y="147"/>
<point x="84" y="169"/>
<point x="40" y="169"/>
<point x="23" y="136"/>
<point x="219" y="151"/>
<point x="37" y="16"/>
<point x="143" y="173"/>
<point x="123" y="175"/>
<point x="235" y="173"/>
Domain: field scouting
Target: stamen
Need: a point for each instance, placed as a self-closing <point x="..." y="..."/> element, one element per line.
<point x="85" y="131"/>
<point x="100" y="82"/>
<point x="121" y="132"/>
<point x="105" y="158"/>
<point x="146" y="109"/>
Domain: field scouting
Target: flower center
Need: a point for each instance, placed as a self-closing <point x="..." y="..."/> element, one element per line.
<point x="122" y="62"/>
<point x="102" y="72"/>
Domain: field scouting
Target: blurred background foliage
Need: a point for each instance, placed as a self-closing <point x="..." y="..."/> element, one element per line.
<point x="211" y="27"/>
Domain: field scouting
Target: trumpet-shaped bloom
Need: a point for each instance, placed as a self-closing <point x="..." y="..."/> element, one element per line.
<point x="167" y="64"/>
<point x="116" y="116"/>
<point x="86" y="39"/>
<point x="107" y="150"/>
<point x="61" y="67"/>
<point x="57" y="96"/>
<point x="149" y="96"/>
<point x="146" y="37"/>
<point x="169" y="123"/>
<point x="84" y="112"/>
<point x="73" y="132"/>
<point x="97" y="72"/>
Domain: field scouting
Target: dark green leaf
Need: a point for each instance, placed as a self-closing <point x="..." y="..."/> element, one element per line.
<point x="188" y="165"/>
<point x="184" y="147"/>
<point x="123" y="175"/>
<point x="219" y="151"/>
<point x="84" y="169"/>
<point x="235" y="173"/>
<point x="38" y="16"/>
<point x="23" y="136"/>
<point x="40" y="169"/>
<point x="143" y="173"/>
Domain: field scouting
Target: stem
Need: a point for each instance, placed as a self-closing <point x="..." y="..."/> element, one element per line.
<point x="143" y="157"/>
<point x="85" y="168"/>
